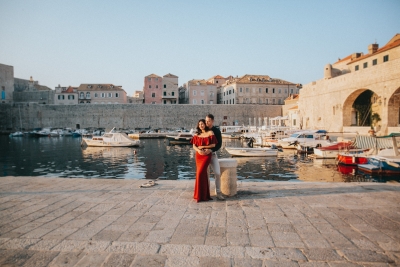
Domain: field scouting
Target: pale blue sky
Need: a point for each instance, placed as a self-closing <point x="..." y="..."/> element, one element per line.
<point x="120" y="42"/>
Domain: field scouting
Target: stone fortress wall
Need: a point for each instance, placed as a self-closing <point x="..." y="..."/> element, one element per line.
<point x="128" y="116"/>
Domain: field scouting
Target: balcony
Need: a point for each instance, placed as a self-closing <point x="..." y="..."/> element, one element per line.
<point x="169" y="97"/>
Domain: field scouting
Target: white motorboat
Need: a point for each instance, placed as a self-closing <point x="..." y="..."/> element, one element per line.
<point x="43" y="132"/>
<point x="111" y="139"/>
<point x="306" y="139"/>
<point x="180" y="138"/>
<point x="16" y="134"/>
<point x="252" y="152"/>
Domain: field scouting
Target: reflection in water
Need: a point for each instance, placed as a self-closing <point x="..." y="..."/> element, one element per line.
<point x="64" y="157"/>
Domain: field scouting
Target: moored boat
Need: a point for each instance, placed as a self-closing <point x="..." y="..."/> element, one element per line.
<point x="306" y="138"/>
<point x="333" y="150"/>
<point x="181" y="138"/>
<point x="16" y="134"/>
<point x="252" y="152"/>
<point x="111" y="139"/>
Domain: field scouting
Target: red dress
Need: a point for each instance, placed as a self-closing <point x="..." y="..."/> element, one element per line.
<point x="202" y="186"/>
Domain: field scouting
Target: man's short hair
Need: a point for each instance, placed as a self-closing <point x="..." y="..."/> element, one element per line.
<point x="211" y="116"/>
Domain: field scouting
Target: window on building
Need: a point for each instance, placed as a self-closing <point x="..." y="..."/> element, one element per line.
<point x="294" y="122"/>
<point x="103" y="94"/>
<point x="59" y="97"/>
<point x="153" y="94"/>
<point x="374" y="62"/>
<point x="116" y="94"/>
<point x="156" y="86"/>
<point x="240" y="90"/>
<point x="81" y="95"/>
<point x="88" y="95"/>
<point x="202" y="92"/>
<point x="165" y="102"/>
<point x="273" y="90"/>
<point x="233" y="101"/>
<point x="259" y="90"/>
<point x="202" y="101"/>
<point x="266" y="90"/>
<point x="386" y="58"/>
<point x="96" y="95"/>
<point x="233" y="90"/>
<point x="164" y="93"/>
<point x="247" y="90"/>
<point x="356" y="68"/>
<point x="173" y="93"/>
<point x="194" y="101"/>
<point x="109" y="94"/>
<point x="194" y="92"/>
<point x="291" y="91"/>
<point x="365" y="65"/>
<point x="149" y="86"/>
<point x="266" y="101"/>
<point x="149" y="79"/>
<point x="165" y="86"/>
<point x="153" y="103"/>
<point x="279" y="91"/>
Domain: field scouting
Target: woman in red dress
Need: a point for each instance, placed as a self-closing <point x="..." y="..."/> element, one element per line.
<point x="203" y="139"/>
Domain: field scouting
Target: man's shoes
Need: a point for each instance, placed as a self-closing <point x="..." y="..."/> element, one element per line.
<point x="220" y="197"/>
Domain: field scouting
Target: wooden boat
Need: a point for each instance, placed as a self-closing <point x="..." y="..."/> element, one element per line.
<point x="180" y="138"/>
<point x="111" y="139"/>
<point x="252" y="152"/>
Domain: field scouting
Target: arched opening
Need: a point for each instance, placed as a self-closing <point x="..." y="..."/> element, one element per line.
<point x="361" y="109"/>
<point x="393" y="109"/>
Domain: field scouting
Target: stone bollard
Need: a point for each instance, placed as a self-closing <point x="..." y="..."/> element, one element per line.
<point x="228" y="176"/>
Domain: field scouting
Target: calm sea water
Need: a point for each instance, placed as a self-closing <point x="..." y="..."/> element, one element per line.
<point x="64" y="157"/>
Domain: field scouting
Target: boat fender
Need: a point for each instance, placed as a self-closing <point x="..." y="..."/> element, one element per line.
<point x="354" y="159"/>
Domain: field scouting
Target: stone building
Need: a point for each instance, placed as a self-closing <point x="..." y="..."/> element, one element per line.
<point x="170" y="89"/>
<point x="30" y="91"/>
<point x="137" y="98"/>
<point x="152" y="91"/>
<point x="354" y="91"/>
<point x="182" y="91"/>
<point x="256" y="89"/>
<point x="201" y="92"/>
<point x="66" y="95"/>
<point x="291" y="112"/>
<point x="6" y="83"/>
<point x="101" y="94"/>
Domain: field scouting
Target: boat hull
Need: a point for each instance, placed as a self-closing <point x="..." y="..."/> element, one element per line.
<point x="251" y="152"/>
<point x="101" y="143"/>
<point x="352" y="159"/>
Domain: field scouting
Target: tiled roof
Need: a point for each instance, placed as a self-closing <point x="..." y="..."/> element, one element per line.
<point x="217" y="77"/>
<point x="394" y="42"/>
<point x="295" y="96"/>
<point x="70" y="90"/>
<point x="343" y="59"/>
<point x="99" y="87"/>
<point x="42" y="87"/>
<point x="153" y="76"/>
<point x="201" y="82"/>
<point x="169" y="75"/>
<point x="257" y="79"/>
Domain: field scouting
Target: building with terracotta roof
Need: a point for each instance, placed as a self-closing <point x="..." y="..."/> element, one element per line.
<point x="257" y="89"/>
<point x="101" y="93"/>
<point x="201" y="92"/>
<point x="66" y="95"/>
<point x="354" y="90"/>
<point x="161" y="90"/>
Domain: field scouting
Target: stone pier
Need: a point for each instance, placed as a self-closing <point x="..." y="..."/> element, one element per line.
<point x="98" y="222"/>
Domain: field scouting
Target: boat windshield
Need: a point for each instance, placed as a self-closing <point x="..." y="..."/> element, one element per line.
<point x="295" y="135"/>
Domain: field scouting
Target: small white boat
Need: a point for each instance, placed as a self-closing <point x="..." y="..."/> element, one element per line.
<point x="43" y="132"/>
<point x="306" y="139"/>
<point x="252" y="151"/>
<point x="16" y="134"/>
<point x="111" y="139"/>
<point x="180" y="138"/>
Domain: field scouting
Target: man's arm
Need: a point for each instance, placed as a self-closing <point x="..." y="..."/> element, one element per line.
<point x="218" y="135"/>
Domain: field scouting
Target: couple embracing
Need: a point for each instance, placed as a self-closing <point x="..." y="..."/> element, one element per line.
<point x="206" y="142"/>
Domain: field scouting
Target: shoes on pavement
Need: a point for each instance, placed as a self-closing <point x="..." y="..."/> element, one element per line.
<point x="220" y="196"/>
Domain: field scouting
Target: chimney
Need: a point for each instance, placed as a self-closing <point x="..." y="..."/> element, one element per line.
<point x="356" y="55"/>
<point x="372" y="48"/>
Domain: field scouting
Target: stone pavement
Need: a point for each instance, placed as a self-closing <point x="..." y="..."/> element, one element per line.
<point x="93" y="222"/>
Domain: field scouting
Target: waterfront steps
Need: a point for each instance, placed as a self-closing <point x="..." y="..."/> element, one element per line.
<point x="100" y="222"/>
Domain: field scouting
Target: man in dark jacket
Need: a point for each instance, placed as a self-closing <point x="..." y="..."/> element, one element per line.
<point x="214" y="159"/>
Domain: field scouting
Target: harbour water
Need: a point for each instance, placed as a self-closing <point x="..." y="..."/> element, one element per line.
<point x="64" y="157"/>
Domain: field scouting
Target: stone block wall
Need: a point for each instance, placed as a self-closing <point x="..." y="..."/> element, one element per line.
<point x="128" y="115"/>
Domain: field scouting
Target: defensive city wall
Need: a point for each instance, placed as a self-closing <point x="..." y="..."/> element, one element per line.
<point x="129" y="116"/>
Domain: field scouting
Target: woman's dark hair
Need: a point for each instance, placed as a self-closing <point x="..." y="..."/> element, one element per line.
<point x="198" y="129"/>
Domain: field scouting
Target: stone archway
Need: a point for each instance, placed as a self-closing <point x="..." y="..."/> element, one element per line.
<point x="358" y="107"/>
<point x="393" y="109"/>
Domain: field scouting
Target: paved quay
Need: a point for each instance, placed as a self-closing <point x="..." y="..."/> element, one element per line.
<point x="103" y="222"/>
